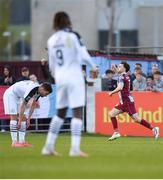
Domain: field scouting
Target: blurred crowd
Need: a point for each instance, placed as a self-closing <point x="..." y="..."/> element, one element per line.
<point x="7" y="78"/>
<point x="153" y="81"/>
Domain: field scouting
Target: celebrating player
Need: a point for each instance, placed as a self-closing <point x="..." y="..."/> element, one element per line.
<point x="126" y="101"/>
<point x="66" y="52"/>
<point x="11" y="98"/>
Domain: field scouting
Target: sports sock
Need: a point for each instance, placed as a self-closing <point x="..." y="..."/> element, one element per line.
<point x="76" y="128"/>
<point x="146" y="124"/>
<point x="22" y="132"/>
<point x="13" y="130"/>
<point x="54" y="129"/>
<point x="114" y="123"/>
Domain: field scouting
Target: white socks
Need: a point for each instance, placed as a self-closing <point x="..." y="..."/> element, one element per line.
<point x="22" y="132"/>
<point x="76" y="129"/>
<point x="13" y="130"/>
<point x="55" y="126"/>
<point x="54" y="129"/>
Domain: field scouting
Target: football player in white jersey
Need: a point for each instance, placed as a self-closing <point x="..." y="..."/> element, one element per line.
<point x="66" y="53"/>
<point x="22" y="91"/>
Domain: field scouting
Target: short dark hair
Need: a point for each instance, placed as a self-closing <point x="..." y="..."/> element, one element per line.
<point x="139" y="64"/>
<point x="61" y="20"/>
<point x="23" y="69"/>
<point x="108" y="71"/>
<point x="126" y="66"/>
<point x="157" y="72"/>
<point x="47" y="86"/>
<point x="149" y="77"/>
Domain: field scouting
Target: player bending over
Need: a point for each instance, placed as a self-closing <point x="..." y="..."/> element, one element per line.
<point x="66" y="53"/>
<point x="25" y="90"/>
<point x="126" y="103"/>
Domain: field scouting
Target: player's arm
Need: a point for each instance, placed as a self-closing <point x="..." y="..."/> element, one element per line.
<point x="31" y="110"/>
<point x="21" y="112"/>
<point x="51" y="60"/>
<point x="28" y="95"/>
<point x="83" y="53"/>
<point x="119" y="88"/>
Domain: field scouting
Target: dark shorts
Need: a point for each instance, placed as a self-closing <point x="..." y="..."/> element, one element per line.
<point x="128" y="107"/>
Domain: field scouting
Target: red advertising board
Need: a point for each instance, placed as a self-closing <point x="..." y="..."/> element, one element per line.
<point x="149" y="106"/>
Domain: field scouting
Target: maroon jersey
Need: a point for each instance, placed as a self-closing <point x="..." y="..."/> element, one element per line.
<point x="124" y="94"/>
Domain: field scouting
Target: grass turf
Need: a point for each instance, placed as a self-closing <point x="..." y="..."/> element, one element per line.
<point x="127" y="157"/>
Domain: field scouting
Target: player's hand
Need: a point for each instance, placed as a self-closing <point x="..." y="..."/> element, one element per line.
<point x="110" y="94"/>
<point x="43" y="61"/>
<point x="113" y="68"/>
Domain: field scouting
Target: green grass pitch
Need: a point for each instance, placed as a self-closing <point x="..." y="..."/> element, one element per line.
<point x="127" y="157"/>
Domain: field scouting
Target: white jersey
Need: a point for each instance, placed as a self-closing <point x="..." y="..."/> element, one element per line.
<point x="22" y="88"/>
<point x="66" y="53"/>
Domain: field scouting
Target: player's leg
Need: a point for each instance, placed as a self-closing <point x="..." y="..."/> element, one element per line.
<point x="113" y="113"/>
<point x="76" y="130"/>
<point x="11" y="109"/>
<point x="57" y="121"/>
<point x="76" y="94"/>
<point x="131" y="110"/>
<point x="22" y="133"/>
<point x="54" y="128"/>
<point x="13" y="129"/>
<point x="146" y="124"/>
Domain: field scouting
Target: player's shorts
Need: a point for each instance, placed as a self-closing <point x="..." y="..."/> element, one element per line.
<point x="10" y="101"/>
<point x="70" y="94"/>
<point x="128" y="107"/>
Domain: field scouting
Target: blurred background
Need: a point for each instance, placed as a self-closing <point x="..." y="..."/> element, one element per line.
<point x="109" y="25"/>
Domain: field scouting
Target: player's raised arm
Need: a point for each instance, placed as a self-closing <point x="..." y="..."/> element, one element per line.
<point x="114" y="68"/>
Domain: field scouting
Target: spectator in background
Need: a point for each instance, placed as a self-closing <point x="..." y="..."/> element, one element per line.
<point x="154" y="69"/>
<point x="108" y="83"/>
<point x="92" y="77"/>
<point x="139" y="84"/>
<point x="33" y="78"/>
<point x="8" y="79"/>
<point x="149" y="81"/>
<point x="158" y="82"/>
<point x="24" y="73"/>
<point x="138" y="65"/>
<point x="136" y="71"/>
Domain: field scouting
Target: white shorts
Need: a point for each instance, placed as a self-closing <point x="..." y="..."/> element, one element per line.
<point x="11" y="102"/>
<point x="71" y="94"/>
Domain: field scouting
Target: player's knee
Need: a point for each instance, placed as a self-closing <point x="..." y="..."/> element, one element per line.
<point x="61" y="113"/>
<point x="78" y="112"/>
<point x="111" y="114"/>
<point x="136" y="119"/>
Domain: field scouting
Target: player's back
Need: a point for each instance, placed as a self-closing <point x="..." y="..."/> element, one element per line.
<point x="64" y="58"/>
<point x="21" y="87"/>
